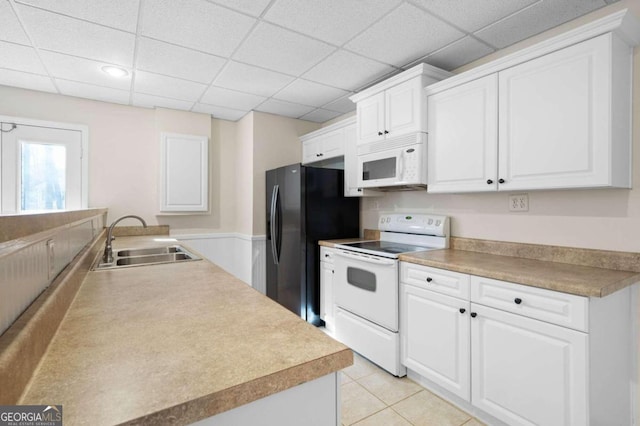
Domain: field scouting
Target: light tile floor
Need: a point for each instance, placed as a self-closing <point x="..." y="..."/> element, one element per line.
<point x="373" y="397"/>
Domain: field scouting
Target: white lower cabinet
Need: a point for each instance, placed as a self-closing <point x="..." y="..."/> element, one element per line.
<point x="326" y="287"/>
<point x="435" y="338"/>
<point x="526" y="371"/>
<point x="519" y="355"/>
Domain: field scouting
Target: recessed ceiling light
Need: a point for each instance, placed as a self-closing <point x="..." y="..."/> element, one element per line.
<point x="115" y="71"/>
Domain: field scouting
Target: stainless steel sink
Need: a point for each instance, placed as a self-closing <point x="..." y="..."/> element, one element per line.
<point x="146" y="256"/>
<point x="147" y="251"/>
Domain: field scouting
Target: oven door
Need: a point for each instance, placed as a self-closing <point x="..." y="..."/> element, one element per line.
<point x="367" y="286"/>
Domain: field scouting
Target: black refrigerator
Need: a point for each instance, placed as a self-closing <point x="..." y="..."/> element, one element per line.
<point x="304" y="205"/>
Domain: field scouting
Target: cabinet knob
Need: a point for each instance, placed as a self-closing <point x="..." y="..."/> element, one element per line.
<point x="463" y="310"/>
<point x="501" y="180"/>
<point x="473" y="315"/>
<point x="517" y="300"/>
<point x="380" y="133"/>
<point x="489" y="181"/>
<point x="359" y="189"/>
<point x="326" y="255"/>
<point x="386" y="132"/>
<point x="429" y="279"/>
<point x="320" y="155"/>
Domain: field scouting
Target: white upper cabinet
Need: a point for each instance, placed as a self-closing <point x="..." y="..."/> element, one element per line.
<point x="322" y="145"/>
<point x="396" y="106"/>
<point x="557" y="112"/>
<point x="555" y="115"/>
<point x="463" y="137"/>
<point x="370" y="113"/>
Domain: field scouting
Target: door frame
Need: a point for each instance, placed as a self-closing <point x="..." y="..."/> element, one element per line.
<point x="84" y="148"/>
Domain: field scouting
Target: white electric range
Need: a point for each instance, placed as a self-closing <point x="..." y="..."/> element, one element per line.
<point x="366" y="284"/>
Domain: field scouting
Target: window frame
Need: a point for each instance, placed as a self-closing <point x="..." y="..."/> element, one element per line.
<point x="84" y="152"/>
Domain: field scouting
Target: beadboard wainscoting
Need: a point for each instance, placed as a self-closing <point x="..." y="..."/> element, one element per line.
<point x="28" y="265"/>
<point x="241" y="255"/>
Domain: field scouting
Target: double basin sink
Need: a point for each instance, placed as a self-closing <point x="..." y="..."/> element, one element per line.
<point x="146" y="256"/>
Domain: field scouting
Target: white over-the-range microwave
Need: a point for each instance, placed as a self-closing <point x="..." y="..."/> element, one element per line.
<point x="394" y="164"/>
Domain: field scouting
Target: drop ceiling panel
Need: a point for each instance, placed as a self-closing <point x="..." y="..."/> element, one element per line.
<point x="281" y="50"/>
<point x="405" y="34"/>
<point x="168" y="87"/>
<point x="342" y="105"/>
<point x="120" y="14"/>
<point x="287" y="109"/>
<point x="220" y="112"/>
<point x="151" y="101"/>
<point x="309" y="93"/>
<point x="231" y="99"/>
<point x="163" y="58"/>
<point x="197" y="24"/>
<point x="459" y="53"/>
<point x="82" y="70"/>
<point x="26" y="80"/>
<point x="347" y="70"/>
<point x="67" y="35"/>
<point x="20" y="58"/>
<point x="471" y="15"/>
<point x="333" y="21"/>
<point x="82" y="90"/>
<point x="320" y="115"/>
<point x="252" y="7"/>
<point x="10" y="28"/>
<point x="535" y="19"/>
<point x="291" y="57"/>
<point x="250" y="79"/>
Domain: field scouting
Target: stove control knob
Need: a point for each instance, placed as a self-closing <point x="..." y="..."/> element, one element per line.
<point x="438" y="222"/>
<point x="388" y="219"/>
<point x="430" y="222"/>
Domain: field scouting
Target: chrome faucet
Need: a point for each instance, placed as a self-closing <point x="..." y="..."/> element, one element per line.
<point x="107" y="257"/>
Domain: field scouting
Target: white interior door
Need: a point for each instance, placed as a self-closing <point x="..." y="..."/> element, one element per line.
<point x="41" y="168"/>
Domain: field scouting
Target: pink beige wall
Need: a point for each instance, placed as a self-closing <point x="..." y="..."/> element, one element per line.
<point x="275" y="143"/>
<point x="124" y="156"/>
<point x="591" y="218"/>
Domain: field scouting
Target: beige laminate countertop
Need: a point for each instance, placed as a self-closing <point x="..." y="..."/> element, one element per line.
<point x="174" y="343"/>
<point x="575" y="279"/>
<point x="568" y="278"/>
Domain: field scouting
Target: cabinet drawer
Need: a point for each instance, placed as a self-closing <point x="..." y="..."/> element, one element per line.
<point x="564" y="309"/>
<point x="326" y="254"/>
<point x="439" y="280"/>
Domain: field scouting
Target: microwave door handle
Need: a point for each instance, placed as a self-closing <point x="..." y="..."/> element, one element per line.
<point x="401" y="165"/>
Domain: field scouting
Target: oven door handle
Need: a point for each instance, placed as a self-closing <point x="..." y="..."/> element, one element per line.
<point x="366" y="258"/>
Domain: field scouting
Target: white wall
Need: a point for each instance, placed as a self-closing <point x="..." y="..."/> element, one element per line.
<point x="606" y="219"/>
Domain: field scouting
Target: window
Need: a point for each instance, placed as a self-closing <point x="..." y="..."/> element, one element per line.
<point x="42" y="166"/>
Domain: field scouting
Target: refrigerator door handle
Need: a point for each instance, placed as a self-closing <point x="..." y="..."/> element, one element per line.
<point x="274" y="249"/>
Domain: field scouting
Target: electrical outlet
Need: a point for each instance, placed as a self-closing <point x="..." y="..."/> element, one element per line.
<point x="519" y="203"/>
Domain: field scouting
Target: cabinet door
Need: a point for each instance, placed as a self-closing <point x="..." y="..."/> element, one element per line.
<point x="527" y="371"/>
<point x="370" y="114"/>
<point x="403" y="112"/>
<point x="463" y="137"/>
<point x="326" y="294"/>
<point x="311" y="149"/>
<point x="435" y="338"/>
<point x="555" y="119"/>
<point x="184" y="182"/>
<point x="332" y="144"/>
